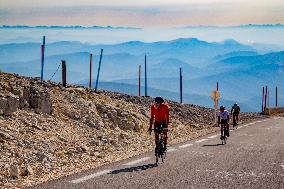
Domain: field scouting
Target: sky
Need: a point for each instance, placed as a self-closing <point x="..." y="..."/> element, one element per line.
<point x="141" y="13"/>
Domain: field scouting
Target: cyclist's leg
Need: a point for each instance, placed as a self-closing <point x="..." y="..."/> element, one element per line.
<point x="156" y="131"/>
<point x="237" y="118"/>
<point x="165" y="134"/>
<point x="222" y="130"/>
<point x="227" y="128"/>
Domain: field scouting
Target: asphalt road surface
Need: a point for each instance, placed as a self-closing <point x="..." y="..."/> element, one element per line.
<point x="252" y="158"/>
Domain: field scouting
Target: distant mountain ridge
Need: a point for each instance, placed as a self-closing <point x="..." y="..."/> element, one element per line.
<point x="237" y="26"/>
<point x="136" y="28"/>
<point x="240" y="69"/>
<point x="69" y="27"/>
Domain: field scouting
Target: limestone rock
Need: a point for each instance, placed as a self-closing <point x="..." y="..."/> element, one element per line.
<point x="27" y="170"/>
<point x="41" y="102"/>
<point x="95" y="124"/>
<point x="14" y="171"/>
<point x="43" y="157"/>
<point x="9" y="104"/>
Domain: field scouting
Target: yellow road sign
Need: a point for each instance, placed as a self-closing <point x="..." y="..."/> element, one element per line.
<point x="215" y="95"/>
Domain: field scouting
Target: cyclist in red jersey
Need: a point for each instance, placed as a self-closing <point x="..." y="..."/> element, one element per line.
<point x="160" y="118"/>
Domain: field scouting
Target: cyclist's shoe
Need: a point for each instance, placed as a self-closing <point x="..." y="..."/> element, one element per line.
<point x="221" y="137"/>
<point x="165" y="149"/>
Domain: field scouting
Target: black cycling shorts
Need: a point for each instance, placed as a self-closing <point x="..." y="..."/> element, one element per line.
<point x="159" y="126"/>
<point x="224" y="121"/>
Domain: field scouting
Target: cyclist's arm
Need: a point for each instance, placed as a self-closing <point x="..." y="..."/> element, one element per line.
<point x="151" y="118"/>
<point x="168" y="116"/>
<point x="151" y="123"/>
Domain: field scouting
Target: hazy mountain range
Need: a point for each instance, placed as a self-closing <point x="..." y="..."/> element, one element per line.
<point x="240" y="69"/>
<point x="68" y="27"/>
<point x="125" y="27"/>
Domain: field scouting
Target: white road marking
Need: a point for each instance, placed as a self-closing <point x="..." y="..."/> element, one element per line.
<point x="282" y="165"/>
<point x="214" y="136"/>
<point x="185" y="145"/>
<point x="137" y="161"/>
<point x="97" y="174"/>
<point x="202" y="140"/>
<point x="171" y="150"/>
<point x="240" y="127"/>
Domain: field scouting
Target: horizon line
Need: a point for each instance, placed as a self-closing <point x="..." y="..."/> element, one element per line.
<point x="4" y="26"/>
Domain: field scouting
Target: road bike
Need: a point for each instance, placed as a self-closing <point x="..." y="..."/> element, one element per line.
<point x="160" y="152"/>
<point x="235" y="123"/>
<point x="224" y="132"/>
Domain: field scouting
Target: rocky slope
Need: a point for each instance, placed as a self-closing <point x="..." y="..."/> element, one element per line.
<point x="47" y="131"/>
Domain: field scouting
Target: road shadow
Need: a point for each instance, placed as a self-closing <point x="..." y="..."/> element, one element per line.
<point x="134" y="169"/>
<point x="212" y="145"/>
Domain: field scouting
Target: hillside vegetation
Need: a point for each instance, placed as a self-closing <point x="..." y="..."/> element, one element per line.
<point x="48" y="131"/>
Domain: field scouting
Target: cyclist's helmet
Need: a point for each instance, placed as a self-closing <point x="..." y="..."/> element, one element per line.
<point x="236" y="104"/>
<point x="159" y="99"/>
<point x="222" y="107"/>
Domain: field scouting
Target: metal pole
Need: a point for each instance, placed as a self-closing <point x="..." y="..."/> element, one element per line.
<point x="276" y="97"/>
<point x="265" y="98"/>
<point x="180" y="84"/>
<point x="262" y="106"/>
<point x="268" y="104"/>
<point x="90" y="82"/>
<point x="145" y="75"/>
<point x="42" y="57"/>
<point x="139" y="81"/>
<point x="217" y="86"/>
<point x="64" y="73"/>
<point x="99" y="70"/>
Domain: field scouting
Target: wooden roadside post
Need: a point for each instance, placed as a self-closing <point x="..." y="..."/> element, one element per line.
<point x="215" y="95"/>
<point x="180" y="84"/>
<point x="90" y="82"/>
<point x="64" y="73"/>
<point x="139" y="81"/>
<point x="42" y="57"/>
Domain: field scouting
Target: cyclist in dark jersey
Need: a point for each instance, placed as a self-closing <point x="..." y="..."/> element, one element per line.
<point x="235" y="111"/>
<point x="160" y="119"/>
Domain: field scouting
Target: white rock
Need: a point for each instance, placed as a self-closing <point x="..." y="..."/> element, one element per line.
<point x="84" y="148"/>
<point x="27" y="170"/>
<point x="14" y="171"/>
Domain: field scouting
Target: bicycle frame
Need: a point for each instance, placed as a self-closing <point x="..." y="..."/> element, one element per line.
<point x="159" y="150"/>
<point x="223" y="132"/>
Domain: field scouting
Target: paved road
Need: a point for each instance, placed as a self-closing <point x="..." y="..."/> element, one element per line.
<point x="252" y="158"/>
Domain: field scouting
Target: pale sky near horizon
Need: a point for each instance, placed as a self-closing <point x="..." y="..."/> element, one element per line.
<point x="141" y="13"/>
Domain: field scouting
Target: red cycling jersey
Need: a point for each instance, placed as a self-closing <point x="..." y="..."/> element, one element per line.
<point x="160" y="114"/>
